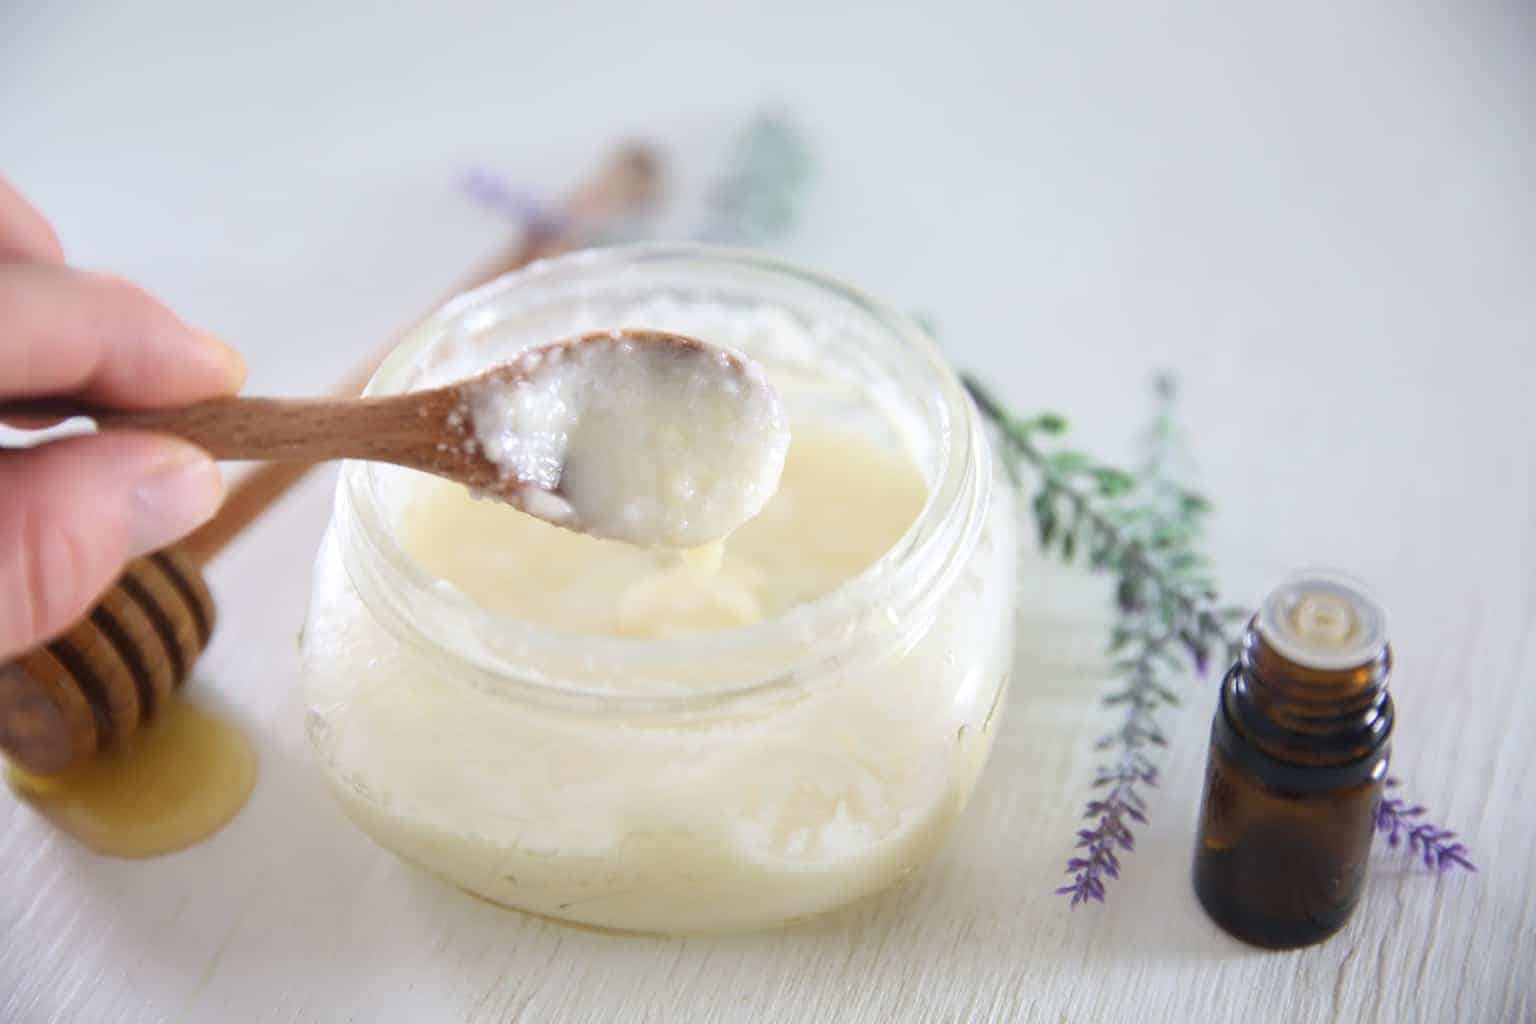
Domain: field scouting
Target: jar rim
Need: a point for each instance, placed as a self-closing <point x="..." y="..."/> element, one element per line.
<point x="895" y="595"/>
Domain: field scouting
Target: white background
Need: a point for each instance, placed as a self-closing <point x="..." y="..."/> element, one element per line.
<point x="1321" y="214"/>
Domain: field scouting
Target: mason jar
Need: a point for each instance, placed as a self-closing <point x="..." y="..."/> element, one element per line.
<point x="714" y="780"/>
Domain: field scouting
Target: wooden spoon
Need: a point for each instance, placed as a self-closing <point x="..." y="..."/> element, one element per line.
<point x="508" y="432"/>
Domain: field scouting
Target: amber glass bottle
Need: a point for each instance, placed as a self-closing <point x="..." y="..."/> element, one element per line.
<point x="1298" y="755"/>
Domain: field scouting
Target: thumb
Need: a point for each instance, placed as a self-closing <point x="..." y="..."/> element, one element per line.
<point x="73" y="512"/>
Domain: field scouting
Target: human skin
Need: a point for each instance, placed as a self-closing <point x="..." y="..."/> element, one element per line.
<point x="73" y="511"/>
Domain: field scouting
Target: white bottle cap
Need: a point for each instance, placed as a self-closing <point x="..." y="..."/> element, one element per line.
<point x="1323" y="619"/>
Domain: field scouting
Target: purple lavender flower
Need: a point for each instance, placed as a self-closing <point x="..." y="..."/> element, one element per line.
<point x="494" y="192"/>
<point x="1395" y="818"/>
<point x="1099" y="859"/>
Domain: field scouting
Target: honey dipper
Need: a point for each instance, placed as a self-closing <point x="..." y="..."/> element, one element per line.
<point x="106" y="676"/>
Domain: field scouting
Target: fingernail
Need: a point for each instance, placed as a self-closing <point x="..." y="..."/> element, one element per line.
<point x="230" y="360"/>
<point x="175" y="498"/>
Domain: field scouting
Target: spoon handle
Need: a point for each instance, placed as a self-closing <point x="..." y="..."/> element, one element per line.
<point x="402" y="429"/>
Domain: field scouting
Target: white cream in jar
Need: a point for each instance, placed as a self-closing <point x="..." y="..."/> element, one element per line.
<point x="666" y="742"/>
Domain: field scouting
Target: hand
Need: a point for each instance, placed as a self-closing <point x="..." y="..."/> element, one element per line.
<point x="72" y="512"/>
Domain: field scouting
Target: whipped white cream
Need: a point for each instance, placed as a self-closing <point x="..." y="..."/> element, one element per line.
<point x="654" y="439"/>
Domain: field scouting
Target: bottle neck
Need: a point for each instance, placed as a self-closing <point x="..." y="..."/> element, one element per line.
<point x="1304" y="716"/>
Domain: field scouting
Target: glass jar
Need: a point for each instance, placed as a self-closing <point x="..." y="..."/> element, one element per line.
<point x="709" y="781"/>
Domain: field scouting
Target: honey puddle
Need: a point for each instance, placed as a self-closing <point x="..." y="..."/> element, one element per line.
<point x="174" y="782"/>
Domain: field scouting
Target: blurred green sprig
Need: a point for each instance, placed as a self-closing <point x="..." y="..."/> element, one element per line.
<point x="761" y="193"/>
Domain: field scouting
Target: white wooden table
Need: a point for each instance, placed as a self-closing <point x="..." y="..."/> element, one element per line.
<point x="1322" y="218"/>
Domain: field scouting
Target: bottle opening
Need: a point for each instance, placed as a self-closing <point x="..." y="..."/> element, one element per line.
<point x="1322" y="619"/>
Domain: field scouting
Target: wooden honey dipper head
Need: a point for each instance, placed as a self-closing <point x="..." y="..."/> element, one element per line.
<point x="110" y="673"/>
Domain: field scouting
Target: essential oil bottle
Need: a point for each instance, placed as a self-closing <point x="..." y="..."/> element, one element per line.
<point x="1298" y="756"/>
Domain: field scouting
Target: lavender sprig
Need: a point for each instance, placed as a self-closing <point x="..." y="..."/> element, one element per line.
<point x="1098" y="859"/>
<point x="1145" y="529"/>
<point x="757" y="195"/>
<point x="1396" y="819"/>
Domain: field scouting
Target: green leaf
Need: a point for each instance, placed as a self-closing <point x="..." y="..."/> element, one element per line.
<point x="1068" y="462"/>
<point x="1112" y="482"/>
<point x="1045" y="518"/>
<point x="1099" y="555"/>
<point x="1051" y="423"/>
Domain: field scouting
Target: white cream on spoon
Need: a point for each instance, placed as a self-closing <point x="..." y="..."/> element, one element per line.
<point x="642" y="436"/>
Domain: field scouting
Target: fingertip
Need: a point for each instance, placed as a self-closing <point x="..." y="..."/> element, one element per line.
<point x="24" y="232"/>
<point x="172" y="497"/>
<point x="104" y="338"/>
<point x="229" y="362"/>
<point x="72" y="512"/>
